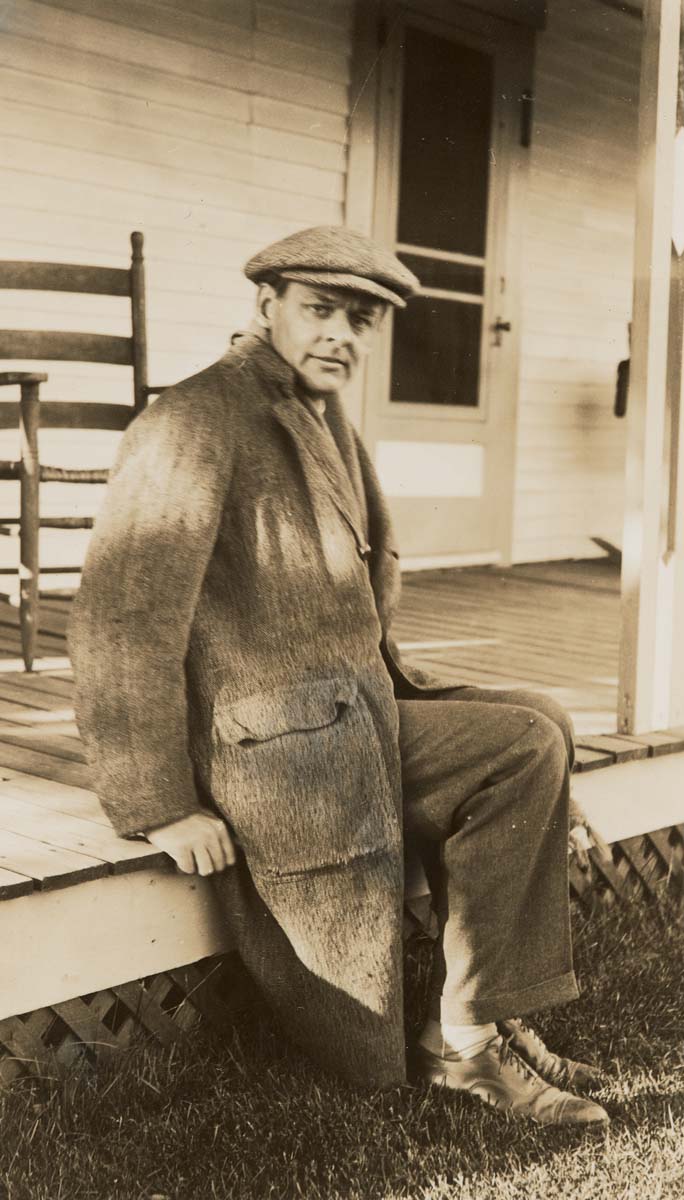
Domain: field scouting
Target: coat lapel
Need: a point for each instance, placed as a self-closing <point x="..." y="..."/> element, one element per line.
<point x="321" y="463"/>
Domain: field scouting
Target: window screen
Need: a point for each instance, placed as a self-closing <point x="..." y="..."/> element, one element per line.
<point x="442" y="219"/>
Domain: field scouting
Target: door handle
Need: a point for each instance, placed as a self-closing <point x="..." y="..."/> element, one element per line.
<point x="498" y="328"/>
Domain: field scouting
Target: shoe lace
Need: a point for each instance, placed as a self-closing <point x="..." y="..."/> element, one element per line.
<point x="509" y="1057"/>
<point x="554" y="1067"/>
<point x="532" y="1033"/>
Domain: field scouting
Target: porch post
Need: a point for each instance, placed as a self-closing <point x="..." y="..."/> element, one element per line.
<point x="651" y="692"/>
<point x="676" y="372"/>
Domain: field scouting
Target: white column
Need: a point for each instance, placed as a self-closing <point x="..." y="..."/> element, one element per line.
<point x="651" y="693"/>
<point x="675" y="545"/>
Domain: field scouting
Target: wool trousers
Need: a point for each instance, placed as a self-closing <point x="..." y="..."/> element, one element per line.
<point x="485" y="778"/>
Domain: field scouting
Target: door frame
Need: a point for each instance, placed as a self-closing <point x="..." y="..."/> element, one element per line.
<point x="371" y="208"/>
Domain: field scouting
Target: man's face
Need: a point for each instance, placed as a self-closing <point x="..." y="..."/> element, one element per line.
<point x="323" y="332"/>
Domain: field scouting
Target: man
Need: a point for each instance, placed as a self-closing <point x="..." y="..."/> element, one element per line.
<point x="243" y="705"/>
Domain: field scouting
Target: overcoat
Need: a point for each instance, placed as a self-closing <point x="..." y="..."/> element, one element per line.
<point x="230" y="649"/>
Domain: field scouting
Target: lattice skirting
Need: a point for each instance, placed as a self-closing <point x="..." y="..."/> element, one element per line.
<point x="165" y="1007"/>
<point x="162" y="1008"/>
<point x="643" y="867"/>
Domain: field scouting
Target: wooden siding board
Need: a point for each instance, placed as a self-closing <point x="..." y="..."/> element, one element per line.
<point x="307" y="30"/>
<point x="337" y="12"/>
<point x="570" y="164"/>
<point x="186" y="26"/>
<point x="154" y="156"/>
<point x="574" y="323"/>
<point x="48" y="160"/>
<point x="71" y="198"/>
<point x="145" y="82"/>
<point x="306" y="148"/>
<point x="597" y="35"/>
<point x="280" y="84"/>
<point x="569" y="89"/>
<point x="72" y="97"/>
<point x="590" y="64"/>
<point x="112" y="110"/>
<point x="577" y="281"/>
<point x="568" y="370"/>
<point x="98" y="75"/>
<point x="291" y="115"/>
<point x="236" y="12"/>
<point x="54" y="28"/>
<point x="287" y="53"/>
<point x="557" y="227"/>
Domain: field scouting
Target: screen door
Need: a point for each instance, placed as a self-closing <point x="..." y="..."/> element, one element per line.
<point x="441" y="405"/>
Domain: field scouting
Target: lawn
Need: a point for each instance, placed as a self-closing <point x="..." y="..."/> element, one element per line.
<point x="246" y="1117"/>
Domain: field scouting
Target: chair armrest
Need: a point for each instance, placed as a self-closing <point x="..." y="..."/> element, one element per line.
<point x="14" y="377"/>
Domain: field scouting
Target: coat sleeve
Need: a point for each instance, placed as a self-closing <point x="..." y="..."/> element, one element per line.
<point x="130" y="629"/>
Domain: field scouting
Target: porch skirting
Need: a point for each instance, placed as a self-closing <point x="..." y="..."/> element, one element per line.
<point x="172" y="1004"/>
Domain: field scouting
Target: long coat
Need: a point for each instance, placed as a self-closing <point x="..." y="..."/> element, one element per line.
<point x="230" y="650"/>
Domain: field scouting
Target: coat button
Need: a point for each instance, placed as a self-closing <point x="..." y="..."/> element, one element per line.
<point x="364" y="551"/>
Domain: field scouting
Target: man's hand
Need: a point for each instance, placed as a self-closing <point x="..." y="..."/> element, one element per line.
<point x="199" y="844"/>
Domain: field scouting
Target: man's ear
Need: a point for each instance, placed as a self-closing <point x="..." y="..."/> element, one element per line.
<point x="266" y="298"/>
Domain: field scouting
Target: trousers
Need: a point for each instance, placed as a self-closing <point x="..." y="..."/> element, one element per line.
<point x="485" y="778"/>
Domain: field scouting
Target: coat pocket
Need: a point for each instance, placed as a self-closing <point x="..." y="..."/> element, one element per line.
<point x="300" y="775"/>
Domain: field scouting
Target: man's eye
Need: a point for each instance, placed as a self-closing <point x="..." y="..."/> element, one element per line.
<point x="321" y="310"/>
<point x="361" y="321"/>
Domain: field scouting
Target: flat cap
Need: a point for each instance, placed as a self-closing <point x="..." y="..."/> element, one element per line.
<point x="338" y="257"/>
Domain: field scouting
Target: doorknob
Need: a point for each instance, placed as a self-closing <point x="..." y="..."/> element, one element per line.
<point x="498" y="328"/>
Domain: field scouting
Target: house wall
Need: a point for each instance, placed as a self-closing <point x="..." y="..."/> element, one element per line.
<point x="214" y="128"/>
<point x="577" y="281"/>
<point x="217" y="130"/>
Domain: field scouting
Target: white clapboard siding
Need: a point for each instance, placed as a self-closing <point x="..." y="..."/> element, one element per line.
<point x="577" y="281"/>
<point x="214" y="128"/>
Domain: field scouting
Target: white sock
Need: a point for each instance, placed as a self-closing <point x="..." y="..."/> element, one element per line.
<point x="464" y="1040"/>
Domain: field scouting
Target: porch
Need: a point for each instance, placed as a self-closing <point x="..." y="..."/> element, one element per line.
<point x="99" y="935"/>
<point x="553" y="627"/>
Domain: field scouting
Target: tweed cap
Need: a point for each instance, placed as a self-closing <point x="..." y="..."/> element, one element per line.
<point x="338" y="257"/>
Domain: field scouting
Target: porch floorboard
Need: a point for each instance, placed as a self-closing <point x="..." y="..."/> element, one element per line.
<point x="550" y="627"/>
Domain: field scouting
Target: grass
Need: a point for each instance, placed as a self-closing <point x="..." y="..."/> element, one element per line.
<point x="247" y="1117"/>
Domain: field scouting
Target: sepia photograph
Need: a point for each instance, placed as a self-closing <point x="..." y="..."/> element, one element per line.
<point x="342" y="600"/>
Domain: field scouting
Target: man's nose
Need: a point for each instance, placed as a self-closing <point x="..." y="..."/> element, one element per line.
<point x="338" y="327"/>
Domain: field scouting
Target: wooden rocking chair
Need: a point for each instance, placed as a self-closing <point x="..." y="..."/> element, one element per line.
<point x="30" y="413"/>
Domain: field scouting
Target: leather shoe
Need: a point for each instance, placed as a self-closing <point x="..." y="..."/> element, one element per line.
<point x="563" y="1072"/>
<point x="504" y="1080"/>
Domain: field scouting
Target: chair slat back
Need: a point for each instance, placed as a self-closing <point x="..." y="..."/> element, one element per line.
<point x="63" y="414"/>
<point x="57" y="346"/>
<point x="65" y="277"/>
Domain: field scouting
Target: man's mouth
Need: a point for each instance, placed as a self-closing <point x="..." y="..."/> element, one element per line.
<point x="330" y="362"/>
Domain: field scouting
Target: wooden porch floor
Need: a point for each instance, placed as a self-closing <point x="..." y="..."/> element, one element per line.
<point x="550" y="627"/>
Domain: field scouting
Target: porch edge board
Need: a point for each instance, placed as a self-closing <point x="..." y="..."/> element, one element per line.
<point x="56" y="946"/>
<point x="634" y="798"/>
